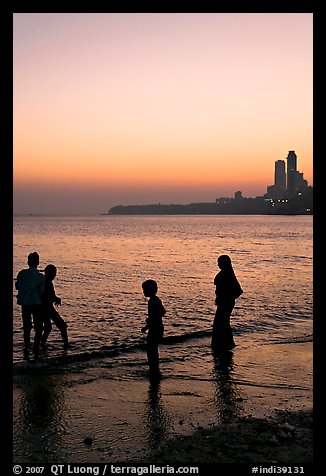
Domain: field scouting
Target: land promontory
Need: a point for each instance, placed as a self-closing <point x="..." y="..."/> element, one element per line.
<point x="300" y="204"/>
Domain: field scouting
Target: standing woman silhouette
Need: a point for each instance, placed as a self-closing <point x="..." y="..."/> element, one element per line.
<point x="227" y="290"/>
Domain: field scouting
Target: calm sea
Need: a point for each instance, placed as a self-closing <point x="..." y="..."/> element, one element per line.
<point x="103" y="260"/>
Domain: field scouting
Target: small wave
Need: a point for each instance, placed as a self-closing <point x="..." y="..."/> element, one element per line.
<point x="266" y="385"/>
<point x="243" y="382"/>
<point x="287" y="340"/>
<point x="46" y="362"/>
<point x="121" y="349"/>
<point x="294" y="340"/>
<point x="189" y="335"/>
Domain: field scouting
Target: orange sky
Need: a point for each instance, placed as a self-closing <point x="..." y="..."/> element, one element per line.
<point x="144" y="108"/>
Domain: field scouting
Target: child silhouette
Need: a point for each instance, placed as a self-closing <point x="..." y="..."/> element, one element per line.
<point x="50" y="298"/>
<point x="154" y="326"/>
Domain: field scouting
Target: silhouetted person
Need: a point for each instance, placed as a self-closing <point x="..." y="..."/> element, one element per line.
<point x="227" y="291"/>
<point x="154" y="326"/>
<point x="30" y="286"/>
<point x="49" y="298"/>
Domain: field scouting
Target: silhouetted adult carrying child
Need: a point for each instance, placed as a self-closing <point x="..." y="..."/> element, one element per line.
<point x="227" y="291"/>
<point x="50" y="298"/>
<point x="154" y="326"/>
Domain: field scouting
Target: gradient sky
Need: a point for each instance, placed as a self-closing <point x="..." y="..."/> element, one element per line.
<point x="133" y="108"/>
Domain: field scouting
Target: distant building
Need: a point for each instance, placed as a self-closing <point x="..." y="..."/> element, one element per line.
<point x="302" y="184"/>
<point x="287" y="184"/>
<point x="280" y="175"/>
<point x="278" y="190"/>
<point x="291" y="170"/>
<point x="238" y="195"/>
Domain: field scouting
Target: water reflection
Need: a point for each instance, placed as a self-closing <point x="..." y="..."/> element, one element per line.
<point x="228" y="396"/>
<point x="156" y="419"/>
<point x="39" y="424"/>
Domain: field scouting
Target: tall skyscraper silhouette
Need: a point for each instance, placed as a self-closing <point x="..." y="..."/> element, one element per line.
<point x="280" y="175"/>
<point x="291" y="185"/>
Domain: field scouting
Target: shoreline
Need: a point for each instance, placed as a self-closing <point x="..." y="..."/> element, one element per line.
<point x="99" y="414"/>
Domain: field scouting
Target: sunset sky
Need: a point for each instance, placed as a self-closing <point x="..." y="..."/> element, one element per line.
<point x="133" y="108"/>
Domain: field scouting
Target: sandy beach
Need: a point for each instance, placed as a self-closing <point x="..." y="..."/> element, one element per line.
<point x="84" y="416"/>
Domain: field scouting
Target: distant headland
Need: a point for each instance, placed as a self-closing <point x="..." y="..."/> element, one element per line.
<point x="302" y="204"/>
<point x="289" y="195"/>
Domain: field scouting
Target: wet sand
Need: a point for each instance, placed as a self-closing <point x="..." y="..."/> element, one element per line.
<point x="251" y="416"/>
<point x="282" y="439"/>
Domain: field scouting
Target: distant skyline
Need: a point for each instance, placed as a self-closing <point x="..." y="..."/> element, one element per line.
<point x="137" y="108"/>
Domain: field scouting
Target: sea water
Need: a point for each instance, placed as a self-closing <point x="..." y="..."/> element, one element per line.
<point x="102" y="261"/>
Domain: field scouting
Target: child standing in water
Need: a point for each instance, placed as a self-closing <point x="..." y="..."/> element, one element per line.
<point x="50" y="298"/>
<point x="154" y="326"/>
